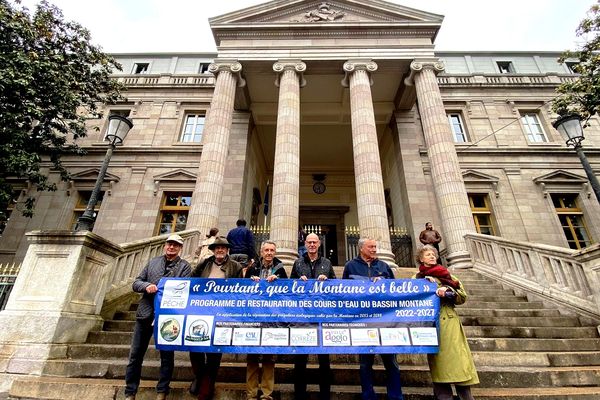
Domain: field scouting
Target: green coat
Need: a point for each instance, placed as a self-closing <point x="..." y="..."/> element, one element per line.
<point x="454" y="362"/>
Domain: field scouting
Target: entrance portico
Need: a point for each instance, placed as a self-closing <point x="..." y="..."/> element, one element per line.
<point x="340" y="125"/>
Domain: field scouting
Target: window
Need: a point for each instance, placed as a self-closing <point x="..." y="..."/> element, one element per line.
<point x="533" y="128"/>
<point x="174" y="212"/>
<point x="571" y="66"/>
<point x="82" y="202"/>
<point x="482" y="213"/>
<point x="7" y="212"/>
<point x="505" y="67"/>
<point x="203" y="68"/>
<point x="193" y="128"/>
<point x="141" y="68"/>
<point x="458" y="128"/>
<point x="571" y="220"/>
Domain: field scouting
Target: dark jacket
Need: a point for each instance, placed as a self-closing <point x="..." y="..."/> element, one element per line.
<point x="232" y="269"/>
<point x="277" y="269"/>
<point x="151" y="274"/>
<point x="241" y="240"/>
<point x="357" y="267"/>
<point x="322" y="266"/>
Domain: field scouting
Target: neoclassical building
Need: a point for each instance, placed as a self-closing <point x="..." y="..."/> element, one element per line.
<point x="336" y="114"/>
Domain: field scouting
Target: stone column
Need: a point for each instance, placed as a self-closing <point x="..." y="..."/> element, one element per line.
<point x="450" y="192"/>
<point x="370" y="199"/>
<point x="286" y="171"/>
<point x="204" y="212"/>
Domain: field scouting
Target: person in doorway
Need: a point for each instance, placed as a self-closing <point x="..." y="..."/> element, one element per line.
<point x="167" y="265"/>
<point x="453" y="364"/>
<point x="269" y="268"/>
<point x="366" y="266"/>
<point x="206" y="365"/>
<point x="430" y="236"/>
<point x="312" y="266"/>
<point x="241" y="240"/>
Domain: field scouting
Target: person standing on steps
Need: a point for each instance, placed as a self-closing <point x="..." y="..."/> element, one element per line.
<point x="269" y="268"/>
<point x="167" y="265"/>
<point x="206" y="365"/>
<point x="366" y="266"/>
<point x="453" y="364"/>
<point x="241" y="240"/>
<point x="312" y="266"/>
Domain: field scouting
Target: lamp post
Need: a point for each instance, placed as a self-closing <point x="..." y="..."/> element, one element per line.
<point x="570" y="126"/>
<point x="118" y="128"/>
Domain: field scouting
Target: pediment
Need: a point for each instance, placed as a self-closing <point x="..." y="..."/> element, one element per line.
<point x="92" y="175"/>
<point x="325" y="12"/>
<point x="177" y="175"/>
<point x="473" y="176"/>
<point x="560" y="176"/>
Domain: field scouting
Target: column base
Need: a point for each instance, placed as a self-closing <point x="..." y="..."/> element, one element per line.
<point x="287" y="257"/>
<point x="459" y="260"/>
<point x="388" y="257"/>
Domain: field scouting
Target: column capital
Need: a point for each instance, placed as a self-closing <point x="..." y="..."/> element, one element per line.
<point x="358" y="65"/>
<point x="290" y="65"/>
<point x="418" y="65"/>
<point x="232" y="66"/>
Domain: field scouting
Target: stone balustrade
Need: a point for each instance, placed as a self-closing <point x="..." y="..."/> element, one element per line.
<point x="569" y="277"/>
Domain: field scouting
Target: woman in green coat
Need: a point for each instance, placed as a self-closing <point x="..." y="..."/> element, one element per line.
<point x="453" y="364"/>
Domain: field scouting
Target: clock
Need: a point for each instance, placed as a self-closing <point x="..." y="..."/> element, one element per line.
<point x="319" y="187"/>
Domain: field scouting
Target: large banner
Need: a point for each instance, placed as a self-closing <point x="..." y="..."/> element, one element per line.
<point x="293" y="316"/>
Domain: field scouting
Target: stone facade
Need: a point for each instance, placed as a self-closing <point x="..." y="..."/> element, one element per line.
<point x="388" y="156"/>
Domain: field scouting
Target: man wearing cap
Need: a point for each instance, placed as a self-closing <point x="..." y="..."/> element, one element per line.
<point x="206" y="365"/>
<point x="167" y="265"/>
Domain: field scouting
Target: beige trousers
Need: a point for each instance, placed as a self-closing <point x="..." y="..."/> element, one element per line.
<point x="255" y="381"/>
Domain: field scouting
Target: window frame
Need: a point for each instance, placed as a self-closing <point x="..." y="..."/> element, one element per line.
<point x="184" y="124"/>
<point x="576" y="213"/>
<point x="135" y="69"/>
<point x="81" y="205"/>
<point x="462" y="124"/>
<point x="526" y="127"/>
<point x="505" y="67"/>
<point x="176" y="210"/>
<point x="479" y="211"/>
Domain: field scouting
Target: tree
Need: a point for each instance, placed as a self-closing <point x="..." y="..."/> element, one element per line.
<point x="51" y="80"/>
<point x="582" y="96"/>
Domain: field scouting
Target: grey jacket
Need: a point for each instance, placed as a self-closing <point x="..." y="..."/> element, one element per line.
<point x="151" y="274"/>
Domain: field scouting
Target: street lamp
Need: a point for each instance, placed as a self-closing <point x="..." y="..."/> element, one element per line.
<point x="570" y="126"/>
<point x="118" y="128"/>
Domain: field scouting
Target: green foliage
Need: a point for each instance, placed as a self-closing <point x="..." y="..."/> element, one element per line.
<point x="582" y="96"/>
<point x="51" y="80"/>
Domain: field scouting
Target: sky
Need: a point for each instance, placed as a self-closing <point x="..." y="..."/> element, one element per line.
<point x="124" y="26"/>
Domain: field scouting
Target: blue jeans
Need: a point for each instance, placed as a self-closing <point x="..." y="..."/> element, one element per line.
<point x="141" y="338"/>
<point x="394" y="387"/>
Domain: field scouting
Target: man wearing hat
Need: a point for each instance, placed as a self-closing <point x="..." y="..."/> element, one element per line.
<point x="167" y="265"/>
<point x="206" y="365"/>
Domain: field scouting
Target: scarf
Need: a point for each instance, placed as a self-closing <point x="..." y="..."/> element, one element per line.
<point x="440" y="272"/>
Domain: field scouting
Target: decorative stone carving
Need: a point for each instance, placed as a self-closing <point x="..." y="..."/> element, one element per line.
<point x="295" y="65"/>
<point x="358" y="65"/>
<point x="417" y="66"/>
<point x="324" y="13"/>
<point x="231" y="66"/>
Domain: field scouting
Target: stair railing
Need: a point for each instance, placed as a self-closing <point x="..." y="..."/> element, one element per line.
<point x="568" y="277"/>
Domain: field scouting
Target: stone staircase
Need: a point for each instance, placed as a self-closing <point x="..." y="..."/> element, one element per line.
<point x="522" y="349"/>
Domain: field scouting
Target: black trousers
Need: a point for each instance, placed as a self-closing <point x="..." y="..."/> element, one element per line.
<point x="300" y="377"/>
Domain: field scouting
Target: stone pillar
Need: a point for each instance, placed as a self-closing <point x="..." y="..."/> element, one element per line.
<point x="204" y="212"/>
<point x="450" y="192"/>
<point x="286" y="171"/>
<point x="56" y="300"/>
<point x="370" y="199"/>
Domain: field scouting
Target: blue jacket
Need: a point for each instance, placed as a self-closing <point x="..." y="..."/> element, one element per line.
<point x="357" y="268"/>
<point x="241" y="240"/>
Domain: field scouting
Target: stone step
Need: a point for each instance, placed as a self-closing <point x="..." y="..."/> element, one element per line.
<point x="493" y="355"/>
<point x="55" y="388"/>
<point x="520" y="305"/>
<point x="412" y="375"/>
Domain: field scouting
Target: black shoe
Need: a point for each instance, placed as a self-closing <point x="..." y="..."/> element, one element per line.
<point x="193" y="389"/>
